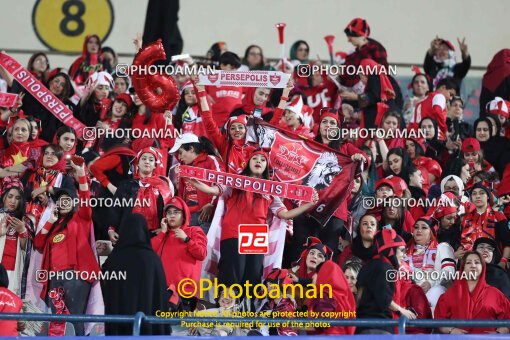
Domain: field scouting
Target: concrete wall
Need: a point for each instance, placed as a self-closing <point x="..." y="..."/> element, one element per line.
<point x="405" y="27"/>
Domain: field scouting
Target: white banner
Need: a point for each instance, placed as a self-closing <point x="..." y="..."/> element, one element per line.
<point x="271" y="79"/>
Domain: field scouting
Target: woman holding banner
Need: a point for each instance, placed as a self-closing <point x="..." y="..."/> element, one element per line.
<point x="232" y="146"/>
<point x="198" y="152"/>
<point x="305" y="226"/>
<point x="245" y="207"/>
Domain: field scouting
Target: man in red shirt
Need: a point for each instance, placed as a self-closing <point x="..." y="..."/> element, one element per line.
<point x="225" y="98"/>
<point x="434" y="106"/>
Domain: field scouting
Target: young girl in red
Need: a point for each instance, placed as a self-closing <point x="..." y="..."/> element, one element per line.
<point x="244" y="207"/>
<point x="65" y="243"/>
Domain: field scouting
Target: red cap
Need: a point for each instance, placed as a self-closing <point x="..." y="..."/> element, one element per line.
<point x="470" y="145"/>
<point x="399" y="185"/>
<point x="358" y="27"/>
<point x="243" y="119"/>
<point x="449" y="44"/>
<point x="126" y="98"/>
<point x="174" y="202"/>
<point x="385" y="181"/>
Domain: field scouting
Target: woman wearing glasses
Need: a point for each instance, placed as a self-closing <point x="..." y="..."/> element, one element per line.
<point x="181" y="246"/>
<point x="495" y="275"/>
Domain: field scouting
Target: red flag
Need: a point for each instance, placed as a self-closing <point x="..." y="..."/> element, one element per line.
<point x="303" y="161"/>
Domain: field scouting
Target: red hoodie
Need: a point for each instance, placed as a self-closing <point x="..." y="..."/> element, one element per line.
<point x="483" y="303"/>
<point x="181" y="260"/>
<point x="341" y="300"/>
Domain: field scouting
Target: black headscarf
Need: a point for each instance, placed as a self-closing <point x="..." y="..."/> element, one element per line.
<point x="144" y="289"/>
<point x="359" y="250"/>
<point x="497" y="148"/>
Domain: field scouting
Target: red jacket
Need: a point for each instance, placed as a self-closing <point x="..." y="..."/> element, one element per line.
<point x="181" y="260"/>
<point x="68" y="247"/>
<point x="196" y="199"/>
<point x="9" y="303"/>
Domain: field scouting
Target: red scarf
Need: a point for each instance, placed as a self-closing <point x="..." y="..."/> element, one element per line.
<point x="475" y="225"/>
<point x="239" y="154"/>
<point x="150" y="189"/>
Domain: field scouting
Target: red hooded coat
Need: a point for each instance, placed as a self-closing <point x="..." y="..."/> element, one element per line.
<point x="181" y="260"/>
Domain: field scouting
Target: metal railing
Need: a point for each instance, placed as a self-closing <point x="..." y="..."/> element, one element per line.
<point x="140" y="318"/>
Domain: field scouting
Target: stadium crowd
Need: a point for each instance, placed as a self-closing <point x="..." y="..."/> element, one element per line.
<point x="456" y="173"/>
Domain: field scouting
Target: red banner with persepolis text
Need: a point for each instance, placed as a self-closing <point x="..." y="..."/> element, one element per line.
<point x="261" y="186"/>
<point x="269" y="79"/>
<point x="41" y="93"/>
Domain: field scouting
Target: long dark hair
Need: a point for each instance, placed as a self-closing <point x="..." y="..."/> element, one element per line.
<point x="20" y="210"/>
<point x="247" y="52"/>
<point x="205" y="145"/>
<point x="240" y="195"/>
<point x="181" y="109"/>
<point x="406" y="163"/>
<point x="68" y="88"/>
<point x="454" y="167"/>
<point x="436" y="128"/>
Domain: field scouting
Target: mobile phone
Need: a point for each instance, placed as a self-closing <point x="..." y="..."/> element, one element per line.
<point x="257" y="113"/>
<point x="78" y="160"/>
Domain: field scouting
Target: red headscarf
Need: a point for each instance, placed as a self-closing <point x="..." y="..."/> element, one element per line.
<point x="332" y="275"/>
<point x="87" y="64"/>
<point x="482" y="303"/>
<point x="497" y="70"/>
<point x="248" y="105"/>
<point x="311" y="243"/>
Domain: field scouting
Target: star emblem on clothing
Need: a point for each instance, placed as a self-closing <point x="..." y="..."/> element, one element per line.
<point x="19" y="158"/>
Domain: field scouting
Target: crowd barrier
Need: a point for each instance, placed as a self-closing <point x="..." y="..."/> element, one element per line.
<point x="140" y="318"/>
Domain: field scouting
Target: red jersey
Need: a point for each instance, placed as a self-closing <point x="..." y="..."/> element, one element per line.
<point x="317" y="97"/>
<point x="196" y="199"/>
<point x="9" y="303"/>
<point x="10" y="249"/>
<point x="244" y="207"/>
<point x="225" y="98"/>
<point x="433" y="106"/>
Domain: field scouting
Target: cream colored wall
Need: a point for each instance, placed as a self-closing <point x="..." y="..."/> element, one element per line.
<point x="405" y="27"/>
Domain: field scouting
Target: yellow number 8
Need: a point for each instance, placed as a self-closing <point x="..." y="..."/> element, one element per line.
<point x="62" y="25"/>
